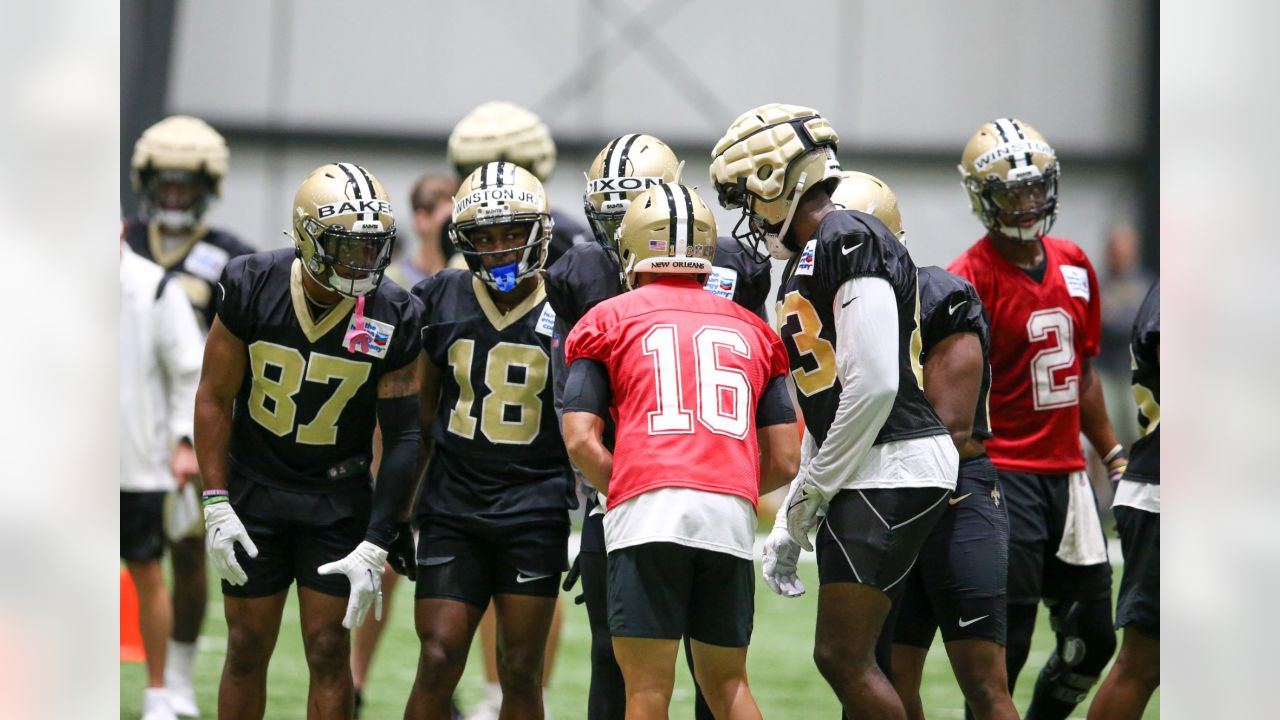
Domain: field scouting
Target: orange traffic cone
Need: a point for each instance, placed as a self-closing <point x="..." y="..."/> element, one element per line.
<point x="130" y="631"/>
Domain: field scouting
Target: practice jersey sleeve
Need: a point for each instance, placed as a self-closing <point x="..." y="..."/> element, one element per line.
<point x="235" y="290"/>
<point x="405" y="346"/>
<point x="589" y="340"/>
<point x="582" y="278"/>
<point x="1092" y="336"/>
<point x="846" y="248"/>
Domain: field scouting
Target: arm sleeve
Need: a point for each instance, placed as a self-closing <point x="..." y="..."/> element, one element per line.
<point x="401" y="435"/>
<point x="559" y="368"/>
<point x="406" y="343"/>
<point x="775" y="406"/>
<point x="180" y="352"/>
<point x="867" y="367"/>
<point x="587" y="388"/>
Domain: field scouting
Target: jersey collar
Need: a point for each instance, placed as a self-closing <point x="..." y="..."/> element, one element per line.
<point x="168" y="259"/>
<point x="312" y="328"/>
<point x="498" y="319"/>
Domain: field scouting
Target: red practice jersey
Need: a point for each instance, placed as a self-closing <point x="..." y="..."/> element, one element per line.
<point x="1040" y="331"/>
<point x="687" y="369"/>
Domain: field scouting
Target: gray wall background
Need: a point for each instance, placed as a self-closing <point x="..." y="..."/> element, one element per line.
<point x="293" y="84"/>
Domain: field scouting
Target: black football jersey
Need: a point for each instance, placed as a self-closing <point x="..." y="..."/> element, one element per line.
<point x="850" y="244"/>
<point x="498" y="455"/>
<point x="949" y="304"/>
<point x="565" y="233"/>
<point x="1144" y="456"/>
<point x="583" y="277"/>
<point x="197" y="265"/>
<point x="305" y="414"/>
<point x="738" y="277"/>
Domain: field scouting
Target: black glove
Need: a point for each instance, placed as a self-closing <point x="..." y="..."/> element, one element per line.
<point x="402" y="555"/>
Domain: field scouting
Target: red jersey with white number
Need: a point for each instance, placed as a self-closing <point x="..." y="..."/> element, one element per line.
<point x="687" y="369"/>
<point x="1040" y="331"/>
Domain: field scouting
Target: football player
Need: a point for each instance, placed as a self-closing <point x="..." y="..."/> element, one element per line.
<point x="958" y="582"/>
<point x="876" y="457"/>
<point x="492" y="510"/>
<point x="681" y="494"/>
<point x="307" y="352"/>
<point x="1136" y="673"/>
<point x="177" y="167"/>
<point x="586" y="275"/>
<point x="1041" y="296"/>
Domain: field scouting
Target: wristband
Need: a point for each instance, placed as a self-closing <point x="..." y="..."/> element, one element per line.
<point x="1116" y="452"/>
<point x="211" y="493"/>
<point x="214" y="500"/>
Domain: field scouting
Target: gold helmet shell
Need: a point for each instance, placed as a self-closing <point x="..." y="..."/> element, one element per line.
<point x="343" y="228"/>
<point x="1011" y="175"/>
<point x="869" y="194"/>
<point x="765" y="162"/>
<point x="501" y="130"/>
<point x="667" y="229"/>
<point x="626" y="167"/>
<point x="501" y="193"/>
<point x="184" y="149"/>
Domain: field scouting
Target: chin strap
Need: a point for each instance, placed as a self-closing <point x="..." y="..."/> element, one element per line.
<point x="356" y="334"/>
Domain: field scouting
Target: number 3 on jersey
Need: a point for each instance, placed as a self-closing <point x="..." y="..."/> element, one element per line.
<point x="514" y="374"/>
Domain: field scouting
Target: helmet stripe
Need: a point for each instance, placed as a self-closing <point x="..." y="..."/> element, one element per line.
<point x="373" y="190"/>
<point x="484" y="176"/>
<point x="1022" y="136"/>
<point x="1008" y="132"/>
<point x="616" y="163"/>
<point x="358" y="182"/>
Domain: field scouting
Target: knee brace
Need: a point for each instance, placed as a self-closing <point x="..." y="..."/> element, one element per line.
<point x="1086" y="642"/>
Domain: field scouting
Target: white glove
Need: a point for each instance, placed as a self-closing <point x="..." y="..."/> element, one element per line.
<point x="804" y="502"/>
<point x="779" y="564"/>
<point x="222" y="530"/>
<point x="363" y="567"/>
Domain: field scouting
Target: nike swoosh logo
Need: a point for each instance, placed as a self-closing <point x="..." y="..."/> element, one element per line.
<point x="522" y="579"/>
<point x="845" y="304"/>
<point x="966" y="623"/>
<point x="952" y="310"/>
<point x="953" y="501"/>
<point x="847" y="250"/>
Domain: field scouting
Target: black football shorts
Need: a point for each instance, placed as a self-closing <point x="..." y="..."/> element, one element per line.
<point x="959" y="581"/>
<point x="873" y="536"/>
<point x="1139" y="603"/>
<point x="141" y="526"/>
<point x="471" y="561"/>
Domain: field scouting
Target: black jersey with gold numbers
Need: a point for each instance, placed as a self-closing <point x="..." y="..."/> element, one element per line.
<point x="738" y="277"/>
<point x="196" y="264"/>
<point x="950" y="304"/>
<point x="306" y="410"/>
<point x="1144" y="456"/>
<point x="849" y="244"/>
<point x="498" y="456"/>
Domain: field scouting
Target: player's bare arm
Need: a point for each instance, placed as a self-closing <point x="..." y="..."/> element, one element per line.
<point x="779" y="455"/>
<point x="220" y="380"/>
<point x="953" y="382"/>
<point x="582" y="431"/>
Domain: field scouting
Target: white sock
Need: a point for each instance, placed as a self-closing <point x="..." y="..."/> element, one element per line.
<point x="177" y="666"/>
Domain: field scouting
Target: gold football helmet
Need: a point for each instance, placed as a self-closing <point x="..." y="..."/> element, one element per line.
<point x="343" y="228"/>
<point x="763" y="165"/>
<point x="502" y="131"/>
<point x="869" y="194"/>
<point x="178" y="164"/>
<point x="667" y="229"/>
<point x="1011" y="175"/>
<point x="626" y="167"/>
<point x="502" y="193"/>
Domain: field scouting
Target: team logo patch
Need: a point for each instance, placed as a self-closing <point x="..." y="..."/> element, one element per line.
<point x="722" y="281"/>
<point x="546" y="321"/>
<point x="1077" y="281"/>
<point x="206" y="261"/>
<point x="805" y="266"/>
<point x="377" y="333"/>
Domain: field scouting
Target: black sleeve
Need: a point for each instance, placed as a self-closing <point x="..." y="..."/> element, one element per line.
<point x="232" y="293"/>
<point x="775" y="406"/>
<point x="406" y="343"/>
<point x="587" y="389"/>
<point x="401" y="435"/>
<point x="585" y="277"/>
<point x="850" y="244"/>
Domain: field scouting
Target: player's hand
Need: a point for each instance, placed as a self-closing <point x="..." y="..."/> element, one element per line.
<point x="222" y="530"/>
<point x="402" y="555"/>
<point x="779" y="565"/>
<point x="1117" y="462"/>
<point x="804" y="502"/>
<point x="363" y="567"/>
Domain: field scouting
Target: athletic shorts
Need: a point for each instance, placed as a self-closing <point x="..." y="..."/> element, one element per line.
<point x="873" y="536"/>
<point x="959" y="581"/>
<point x="472" y="562"/>
<point x="665" y="591"/>
<point x="1037" y="516"/>
<point x="296" y="533"/>
<point x="1139" y="603"/>
<point x="141" y="526"/>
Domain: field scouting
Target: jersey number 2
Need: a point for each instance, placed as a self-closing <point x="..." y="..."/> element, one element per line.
<point x="1050" y="394"/>
<point x="714" y="383"/>
<point x="320" y="368"/>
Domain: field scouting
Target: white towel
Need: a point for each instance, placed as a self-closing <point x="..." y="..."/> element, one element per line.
<point x="181" y="512"/>
<point x="1082" y="539"/>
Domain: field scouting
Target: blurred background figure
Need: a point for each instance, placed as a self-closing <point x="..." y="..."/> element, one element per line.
<point x="160" y="356"/>
<point x="1124" y="282"/>
<point x="432" y="202"/>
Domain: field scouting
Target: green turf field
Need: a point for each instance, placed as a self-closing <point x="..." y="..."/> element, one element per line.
<point x="783" y="677"/>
